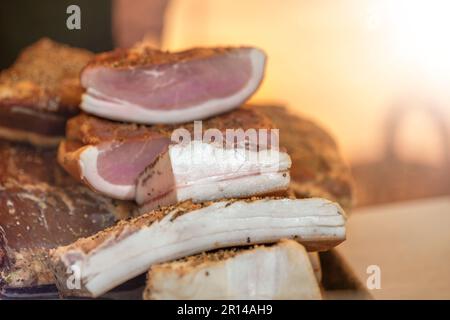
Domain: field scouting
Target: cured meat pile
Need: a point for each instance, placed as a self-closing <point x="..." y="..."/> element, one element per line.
<point x="40" y="91"/>
<point x="211" y="202"/>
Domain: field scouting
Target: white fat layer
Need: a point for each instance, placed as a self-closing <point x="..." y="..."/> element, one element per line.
<point x="198" y="160"/>
<point x="282" y="271"/>
<point x="210" y="189"/>
<point x="89" y="173"/>
<point x="241" y="187"/>
<point x="117" y="109"/>
<point x="280" y="274"/>
<point x="206" y="171"/>
<point x="217" y="226"/>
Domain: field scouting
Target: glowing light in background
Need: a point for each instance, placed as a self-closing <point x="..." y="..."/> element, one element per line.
<point x="342" y="63"/>
<point x="421" y="33"/>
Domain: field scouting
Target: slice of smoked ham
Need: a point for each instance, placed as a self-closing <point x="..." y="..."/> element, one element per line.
<point x="149" y="86"/>
<point x="109" y="156"/>
<point x="111" y="167"/>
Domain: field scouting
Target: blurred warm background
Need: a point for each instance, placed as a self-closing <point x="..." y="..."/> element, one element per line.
<point x="375" y="73"/>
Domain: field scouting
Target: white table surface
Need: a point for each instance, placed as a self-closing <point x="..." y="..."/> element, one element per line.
<point x="409" y="241"/>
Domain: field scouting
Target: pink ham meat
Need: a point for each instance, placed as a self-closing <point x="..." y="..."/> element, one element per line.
<point x="149" y="86"/>
<point x="110" y="156"/>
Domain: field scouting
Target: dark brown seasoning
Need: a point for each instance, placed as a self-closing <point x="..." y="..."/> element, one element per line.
<point x="45" y="76"/>
<point x="143" y="54"/>
<point x="183" y="264"/>
<point x="86" y="129"/>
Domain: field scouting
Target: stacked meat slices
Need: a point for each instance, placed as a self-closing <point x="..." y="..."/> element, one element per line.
<point x="197" y="193"/>
<point x="145" y="85"/>
<point x="129" y="161"/>
<point x="115" y="255"/>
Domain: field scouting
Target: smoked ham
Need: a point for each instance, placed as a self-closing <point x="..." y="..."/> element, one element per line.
<point x="110" y="157"/>
<point x="145" y="85"/>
